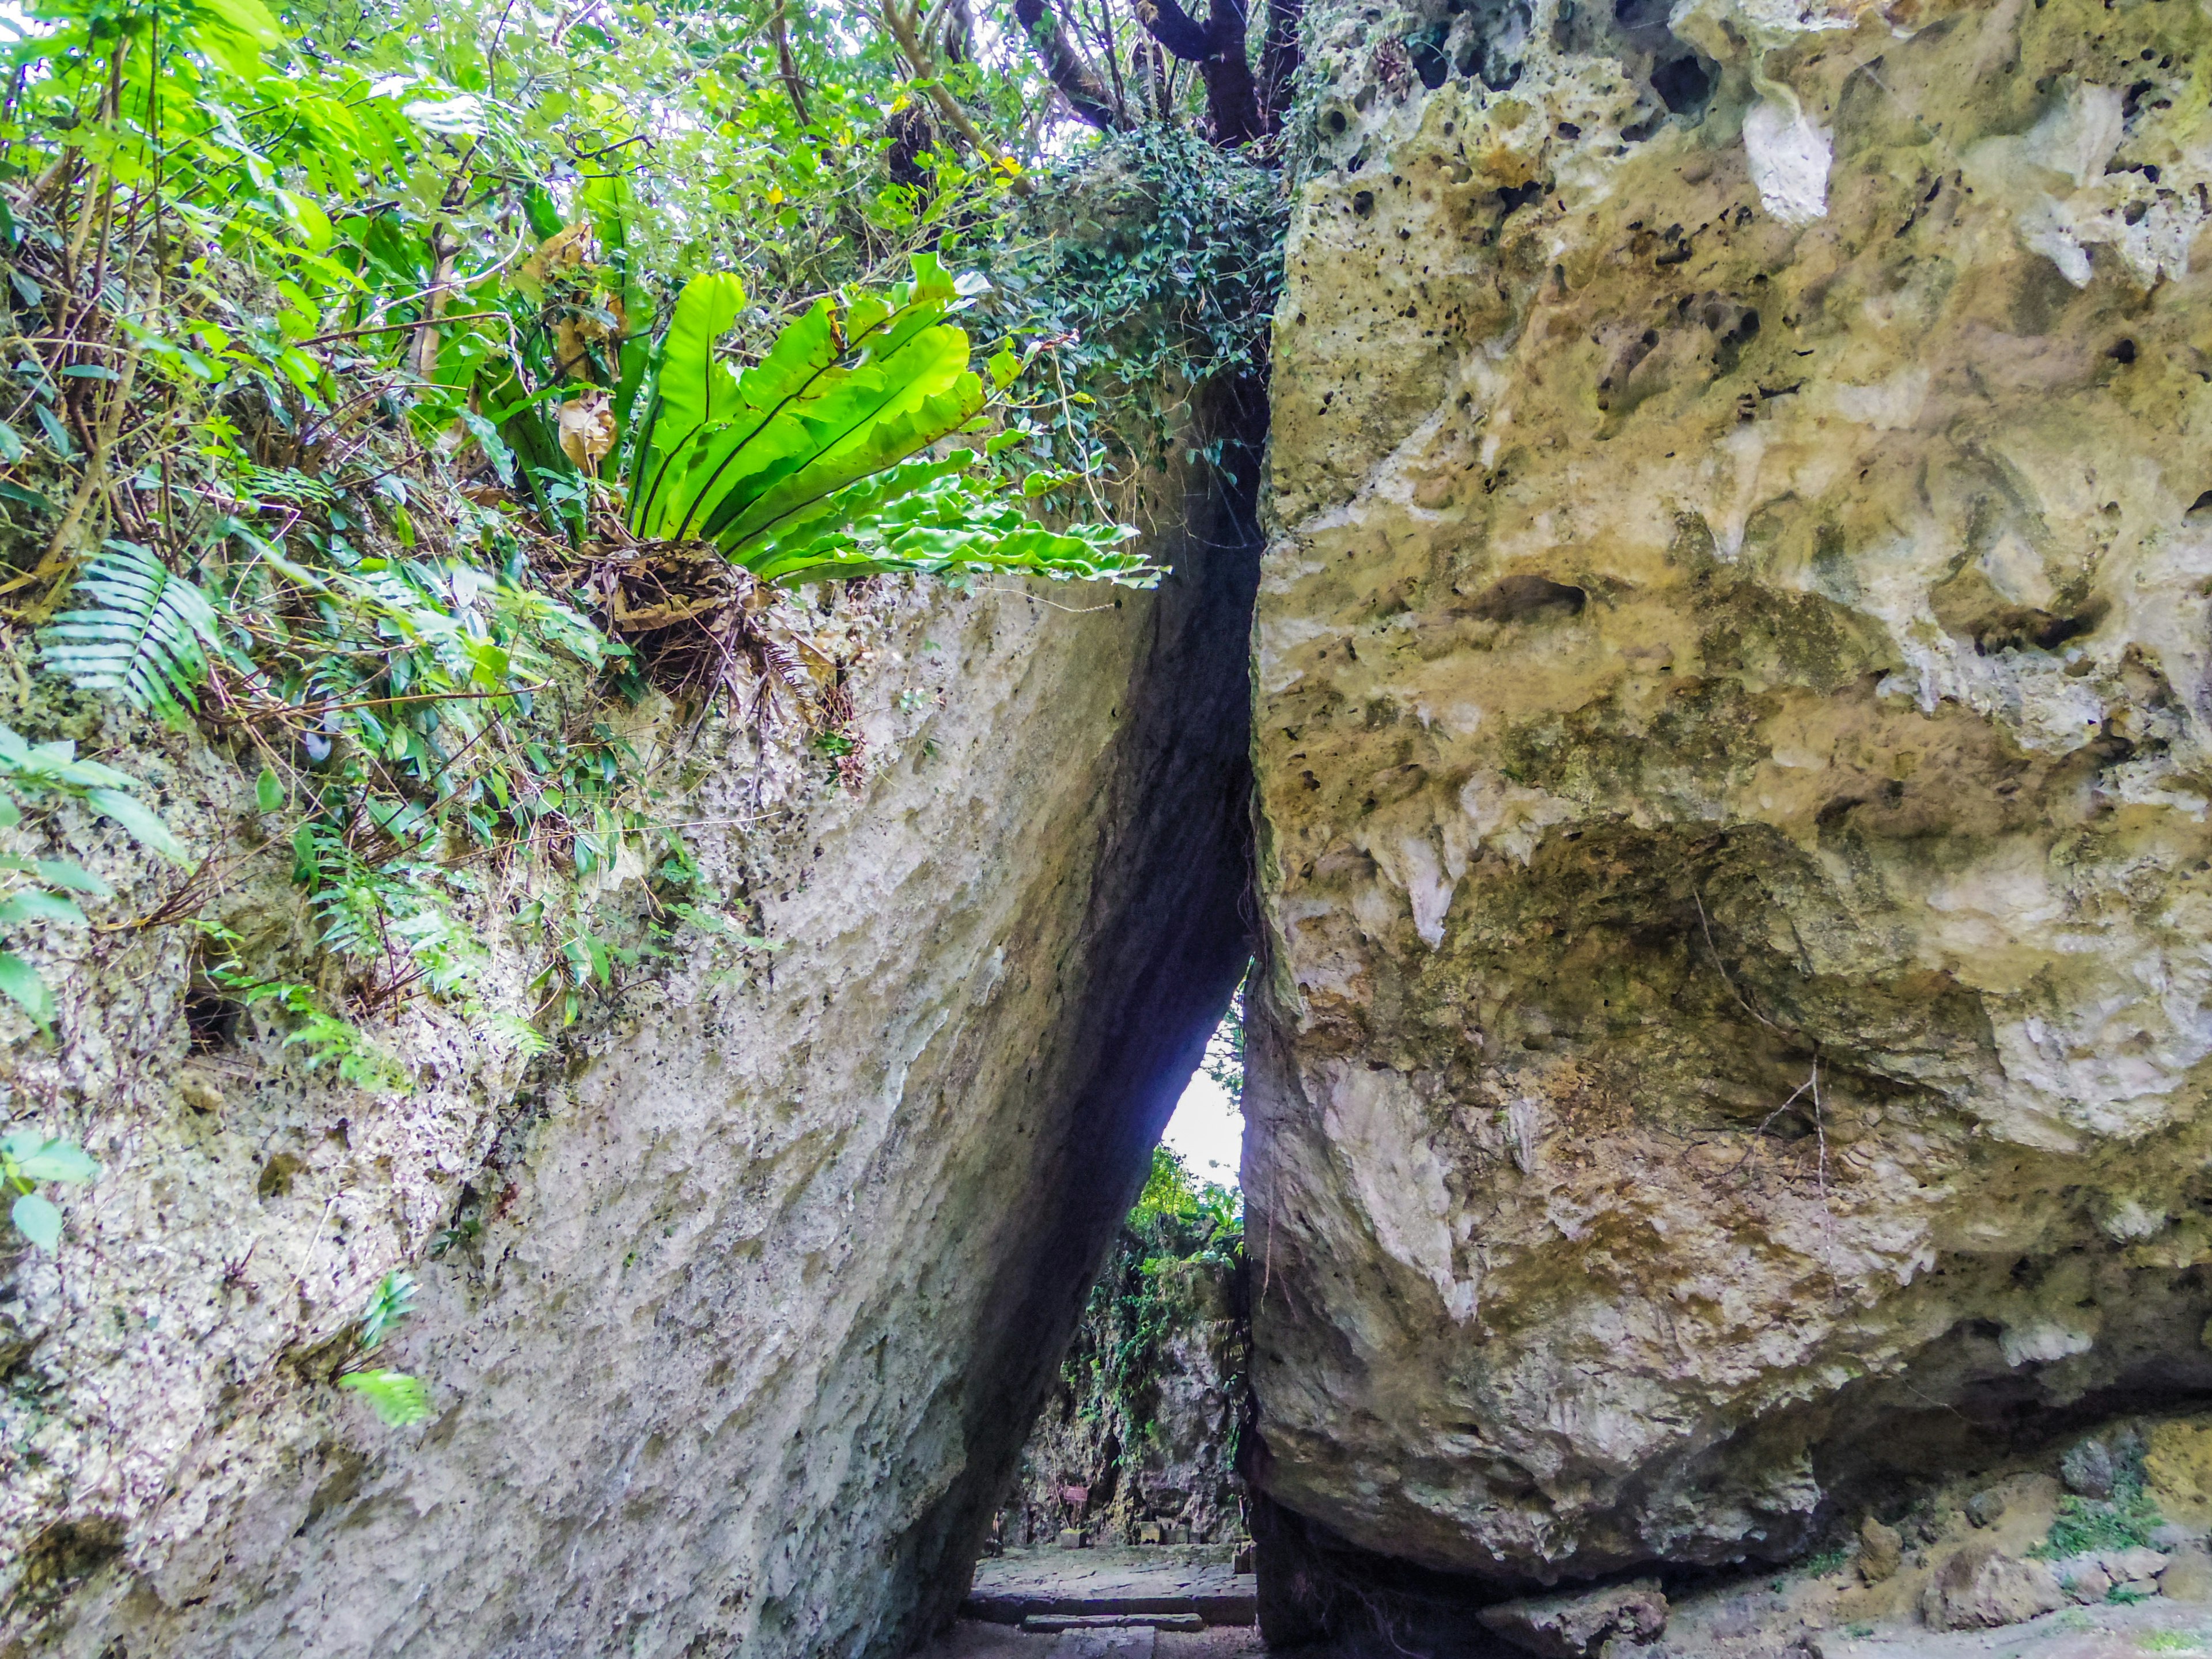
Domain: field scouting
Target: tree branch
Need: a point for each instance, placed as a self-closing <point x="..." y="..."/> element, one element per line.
<point x="1278" y="61"/>
<point x="1230" y="97"/>
<point x="1217" y="47"/>
<point x="1167" y="22"/>
<point x="1067" y="70"/>
<point x="785" y="69"/>
<point x="901" y="26"/>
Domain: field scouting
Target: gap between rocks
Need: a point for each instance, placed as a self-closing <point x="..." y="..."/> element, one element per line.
<point x="1170" y="920"/>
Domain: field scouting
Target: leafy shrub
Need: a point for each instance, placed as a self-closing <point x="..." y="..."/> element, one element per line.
<point x="1165" y="277"/>
<point x="39" y="890"/>
<point x="2088" y="1524"/>
<point x="397" y="1398"/>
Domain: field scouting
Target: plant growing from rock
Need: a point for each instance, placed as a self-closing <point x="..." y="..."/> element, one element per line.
<point x="38" y="892"/>
<point x="398" y="1399"/>
<point x="813" y="464"/>
<point x="27" y="1158"/>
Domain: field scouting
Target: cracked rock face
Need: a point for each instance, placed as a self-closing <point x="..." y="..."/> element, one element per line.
<point x="1731" y="725"/>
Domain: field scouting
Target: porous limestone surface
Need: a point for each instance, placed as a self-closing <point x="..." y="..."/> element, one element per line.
<point x="740" y="1300"/>
<point x="1731" y="732"/>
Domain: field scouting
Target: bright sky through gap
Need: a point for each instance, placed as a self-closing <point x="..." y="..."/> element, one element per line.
<point x="1207" y="1131"/>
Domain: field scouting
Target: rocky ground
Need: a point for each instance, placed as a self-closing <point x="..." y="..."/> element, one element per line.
<point x="2105" y="1555"/>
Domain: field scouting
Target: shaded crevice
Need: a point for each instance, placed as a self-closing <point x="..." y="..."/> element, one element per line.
<point x="1167" y="937"/>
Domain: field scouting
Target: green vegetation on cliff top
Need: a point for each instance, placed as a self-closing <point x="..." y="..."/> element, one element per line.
<point x="362" y="358"/>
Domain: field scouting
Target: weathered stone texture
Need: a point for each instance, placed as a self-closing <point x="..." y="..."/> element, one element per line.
<point x="774" y="1261"/>
<point x="1731" y="730"/>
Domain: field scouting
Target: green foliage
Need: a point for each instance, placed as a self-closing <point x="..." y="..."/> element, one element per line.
<point x="2084" y="1525"/>
<point x="52" y="770"/>
<point x="322" y="1037"/>
<point x="399" y="1398"/>
<point x="1224" y="1060"/>
<point x="371" y="312"/>
<point x="805" y="466"/>
<point x="1177" y="1221"/>
<point x="147" y="635"/>
<point x="1168" y="280"/>
<point x="37" y="892"/>
<point x="1179" y="1213"/>
<point x="389" y="1303"/>
<point x="29" y="1158"/>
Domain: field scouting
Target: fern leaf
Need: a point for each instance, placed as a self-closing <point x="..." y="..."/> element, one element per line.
<point x="146" y="635"/>
<point x="399" y="1398"/>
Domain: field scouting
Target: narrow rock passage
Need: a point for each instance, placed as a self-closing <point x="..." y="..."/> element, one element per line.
<point x="1169" y="914"/>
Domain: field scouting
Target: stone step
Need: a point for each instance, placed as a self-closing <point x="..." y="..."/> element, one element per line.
<point x="1123" y="1643"/>
<point x="1120" y="1584"/>
<point x="1052" y="1624"/>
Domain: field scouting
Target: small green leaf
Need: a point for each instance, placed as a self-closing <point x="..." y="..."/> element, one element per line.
<point x="399" y="1398"/>
<point x="268" y="790"/>
<point x="38" y="1221"/>
<point x="1004" y="367"/>
<point x="56" y="1160"/>
<point x="494" y="447"/>
<point x="21" y="984"/>
<point x="143" y="823"/>
<point x="37" y="904"/>
<point x="75" y="877"/>
<point x="11" y="445"/>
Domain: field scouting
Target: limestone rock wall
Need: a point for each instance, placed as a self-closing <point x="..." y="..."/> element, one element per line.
<point x="1143" y="1415"/>
<point x="744" y="1297"/>
<point x="1732" y="744"/>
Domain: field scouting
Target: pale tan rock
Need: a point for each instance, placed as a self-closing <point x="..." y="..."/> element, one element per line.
<point x="1980" y="1587"/>
<point x="2178" y="1467"/>
<point x="766" y="1266"/>
<point x="2134" y="1565"/>
<point x="2188" y="1576"/>
<point x="1576" y="1626"/>
<point x="2083" y="1578"/>
<point x="1803" y="659"/>
<point x="1881" y="1549"/>
<point x="201" y="1093"/>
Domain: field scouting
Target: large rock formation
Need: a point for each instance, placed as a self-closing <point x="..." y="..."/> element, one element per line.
<point x="743" y="1307"/>
<point x="1732" y="741"/>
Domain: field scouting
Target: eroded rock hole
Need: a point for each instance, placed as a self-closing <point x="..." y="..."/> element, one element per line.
<point x="212" y="1018"/>
<point x="1685" y="84"/>
<point x="1527" y="599"/>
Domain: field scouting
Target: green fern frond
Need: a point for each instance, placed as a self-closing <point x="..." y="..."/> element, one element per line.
<point x="147" y="636"/>
<point x="399" y="1398"/>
